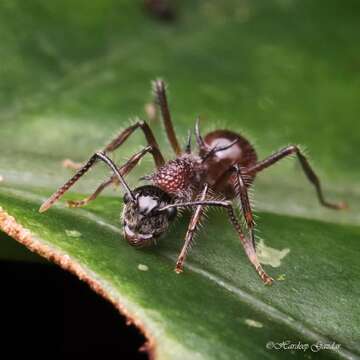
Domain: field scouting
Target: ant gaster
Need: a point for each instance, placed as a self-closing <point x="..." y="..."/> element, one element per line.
<point x="222" y="169"/>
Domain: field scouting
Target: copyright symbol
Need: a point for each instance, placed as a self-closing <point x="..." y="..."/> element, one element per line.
<point x="270" y="345"/>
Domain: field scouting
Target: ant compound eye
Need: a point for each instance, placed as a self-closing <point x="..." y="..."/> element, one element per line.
<point x="126" y="198"/>
<point x="171" y="213"/>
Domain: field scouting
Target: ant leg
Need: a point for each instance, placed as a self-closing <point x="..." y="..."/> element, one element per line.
<point x="120" y="139"/>
<point x="93" y="196"/>
<point x="124" y="170"/>
<point x="242" y="193"/>
<point x="97" y="156"/>
<point x="309" y="172"/>
<point x="245" y="203"/>
<point x="249" y="248"/>
<point x="246" y="243"/>
<point x="241" y="190"/>
<point x="191" y="231"/>
<point x="161" y="99"/>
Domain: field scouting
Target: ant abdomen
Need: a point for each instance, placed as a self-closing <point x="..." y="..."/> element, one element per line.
<point x="241" y="153"/>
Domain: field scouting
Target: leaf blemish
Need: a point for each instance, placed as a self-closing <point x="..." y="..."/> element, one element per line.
<point x="270" y="256"/>
<point x="143" y="267"/>
<point x="151" y="111"/>
<point x="254" y="323"/>
<point x="73" y="233"/>
<point x="70" y="164"/>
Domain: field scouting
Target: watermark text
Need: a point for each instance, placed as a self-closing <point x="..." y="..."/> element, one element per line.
<point x="288" y="345"/>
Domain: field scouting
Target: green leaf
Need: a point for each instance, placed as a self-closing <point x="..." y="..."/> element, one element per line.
<point x="280" y="72"/>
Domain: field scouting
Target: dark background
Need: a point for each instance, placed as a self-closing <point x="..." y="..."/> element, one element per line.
<point x="41" y="301"/>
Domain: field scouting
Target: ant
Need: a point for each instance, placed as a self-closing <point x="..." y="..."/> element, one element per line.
<point x="222" y="169"/>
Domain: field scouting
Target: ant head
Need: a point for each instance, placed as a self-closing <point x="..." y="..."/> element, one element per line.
<point x="143" y="222"/>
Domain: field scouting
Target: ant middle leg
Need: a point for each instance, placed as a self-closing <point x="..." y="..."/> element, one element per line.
<point x="309" y="172"/>
<point x="241" y="191"/>
<point x="195" y="218"/>
<point x="121" y="138"/>
<point x="249" y="248"/>
<point x="124" y="170"/>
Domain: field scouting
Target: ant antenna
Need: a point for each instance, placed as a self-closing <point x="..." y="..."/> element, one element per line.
<point x="99" y="155"/>
<point x="114" y="168"/>
<point x="188" y="143"/>
<point x="199" y="139"/>
<point x="197" y="203"/>
<point x="216" y="149"/>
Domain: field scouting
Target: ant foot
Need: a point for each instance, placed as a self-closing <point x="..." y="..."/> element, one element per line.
<point x="179" y="269"/>
<point x="75" y="204"/>
<point x="337" y="206"/>
<point x="342" y="205"/>
<point x="267" y="280"/>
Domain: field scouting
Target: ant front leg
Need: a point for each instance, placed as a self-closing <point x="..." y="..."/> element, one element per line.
<point x="124" y="170"/>
<point x="90" y="163"/>
<point x="191" y="231"/>
<point x="309" y="172"/>
<point x="247" y="243"/>
<point x="153" y="148"/>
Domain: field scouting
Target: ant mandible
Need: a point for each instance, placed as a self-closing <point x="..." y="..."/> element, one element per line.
<point x="224" y="168"/>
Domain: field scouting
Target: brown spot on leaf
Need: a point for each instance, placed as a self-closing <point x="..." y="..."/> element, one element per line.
<point x="70" y="164"/>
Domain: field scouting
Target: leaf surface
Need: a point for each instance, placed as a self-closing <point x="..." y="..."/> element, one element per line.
<point x="279" y="72"/>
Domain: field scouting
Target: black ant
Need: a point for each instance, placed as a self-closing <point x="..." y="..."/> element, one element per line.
<point x="224" y="167"/>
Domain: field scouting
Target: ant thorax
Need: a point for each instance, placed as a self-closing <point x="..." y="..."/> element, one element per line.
<point x="181" y="177"/>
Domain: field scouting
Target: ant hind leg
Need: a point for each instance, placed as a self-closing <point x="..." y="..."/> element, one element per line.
<point x="308" y="170"/>
<point x="93" y="196"/>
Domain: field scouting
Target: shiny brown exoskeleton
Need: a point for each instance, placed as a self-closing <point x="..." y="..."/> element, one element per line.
<point x="223" y="168"/>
